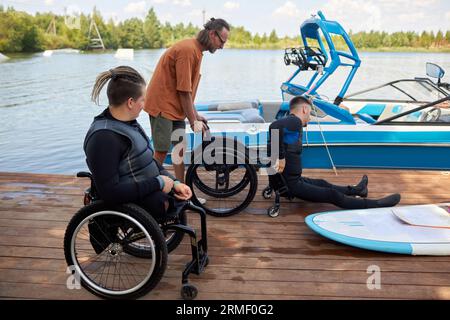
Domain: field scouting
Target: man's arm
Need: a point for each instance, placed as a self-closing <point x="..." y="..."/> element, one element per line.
<point x="188" y="106"/>
<point x="276" y="136"/>
<point x="276" y="127"/>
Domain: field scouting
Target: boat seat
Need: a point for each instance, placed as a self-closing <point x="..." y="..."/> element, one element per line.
<point x="243" y="116"/>
<point x="228" y="105"/>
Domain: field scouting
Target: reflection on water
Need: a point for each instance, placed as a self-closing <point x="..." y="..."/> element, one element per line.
<point x="46" y="109"/>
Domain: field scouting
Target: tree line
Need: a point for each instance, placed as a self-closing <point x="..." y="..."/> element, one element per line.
<point x="23" y="32"/>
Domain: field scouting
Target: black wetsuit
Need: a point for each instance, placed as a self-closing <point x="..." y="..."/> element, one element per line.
<point x="104" y="152"/>
<point x="314" y="190"/>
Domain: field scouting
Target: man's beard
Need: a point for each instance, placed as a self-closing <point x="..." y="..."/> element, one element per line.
<point x="211" y="48"/>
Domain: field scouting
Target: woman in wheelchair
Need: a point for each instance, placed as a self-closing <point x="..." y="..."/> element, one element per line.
<point x="290" y="131"/>
<point x="118" y="152"/>
<point x="134" y="212"/>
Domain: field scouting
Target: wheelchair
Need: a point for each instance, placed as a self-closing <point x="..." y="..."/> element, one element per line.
<point x="277" y="184"/>
<point x="230" y="186"/>
<point x="229" y="183"/>
<point x="121" y="251"/>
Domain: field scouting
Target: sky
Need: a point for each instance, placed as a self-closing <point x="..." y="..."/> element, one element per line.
<point x="285" y="16"/>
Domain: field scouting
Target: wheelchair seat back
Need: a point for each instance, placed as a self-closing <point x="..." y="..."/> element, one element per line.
<point x="91" y="194"/>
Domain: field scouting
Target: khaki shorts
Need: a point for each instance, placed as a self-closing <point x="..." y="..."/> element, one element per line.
<point x="162" y="130"/>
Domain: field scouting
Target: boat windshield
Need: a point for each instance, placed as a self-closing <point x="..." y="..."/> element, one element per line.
<point x="409" y="90"/>
<point x="437" y="112"/>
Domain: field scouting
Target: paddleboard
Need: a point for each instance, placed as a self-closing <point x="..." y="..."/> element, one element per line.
<point x="410" y="230"/>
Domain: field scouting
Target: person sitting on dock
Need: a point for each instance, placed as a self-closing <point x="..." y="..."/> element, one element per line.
<point x="289" y="164"/>
<point x="118" y="152"/>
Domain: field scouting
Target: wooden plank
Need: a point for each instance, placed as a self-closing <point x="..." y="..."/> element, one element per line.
<point x="167" y="288"/>
<point x="14" y="268"/>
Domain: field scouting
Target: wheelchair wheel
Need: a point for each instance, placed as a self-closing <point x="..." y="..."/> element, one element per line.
<point x="188" y="292"/>
<point x="94" y="245"/>
<point x="267" y="193"/>
<point x="227" y="189"/>
<point x="173" y="239"/>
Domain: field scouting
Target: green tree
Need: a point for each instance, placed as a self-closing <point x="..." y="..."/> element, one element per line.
<point x="32" y="40"/>
<point x="131" y="35"/>
<point x="152" y="31"/>
<point x="114" y="32"/>
<point x="257" y="40"/>
<point x="273" y="38"/>
<point x="167" y="34"/>
<point x="439" y="39"/>
<point x="425" y="39"/>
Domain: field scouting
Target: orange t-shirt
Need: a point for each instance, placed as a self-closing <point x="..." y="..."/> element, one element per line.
<point x="177" y="70"/>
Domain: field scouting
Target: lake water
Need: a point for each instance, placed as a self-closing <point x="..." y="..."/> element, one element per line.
<point x="46" y="110"/>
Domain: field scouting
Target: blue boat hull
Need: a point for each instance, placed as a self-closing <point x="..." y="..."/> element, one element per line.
<point x="383" y="147"/>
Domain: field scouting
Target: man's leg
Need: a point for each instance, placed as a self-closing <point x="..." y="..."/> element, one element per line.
<point x="303" y="189"/>
<point x="321" y="191"/>
<point x="161" y="131"/>
<point x="178" y="139"/>
<point x="160" y="156"/>
<point x="357" y="190"/>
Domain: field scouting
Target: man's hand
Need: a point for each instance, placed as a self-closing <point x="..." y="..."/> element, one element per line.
<point x="182" y="192"/>
<point x="168" y="184"/>
<point x="280" y="165"/>
<point x="201" y="118"/>
<point x="197" y="126"/>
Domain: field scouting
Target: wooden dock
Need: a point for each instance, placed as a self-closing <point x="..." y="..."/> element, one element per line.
<point x="252" y="255"/>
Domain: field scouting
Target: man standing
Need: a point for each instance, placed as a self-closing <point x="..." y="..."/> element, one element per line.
<point x="172" y="89"/>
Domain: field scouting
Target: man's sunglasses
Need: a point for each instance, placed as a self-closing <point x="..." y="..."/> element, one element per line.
<point x="220" y="38"/>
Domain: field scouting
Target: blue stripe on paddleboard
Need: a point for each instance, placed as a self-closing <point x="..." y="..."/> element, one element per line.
<point x="382" y="246"/>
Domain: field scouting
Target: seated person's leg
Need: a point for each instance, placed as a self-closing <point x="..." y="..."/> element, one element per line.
<point x="319" y="191"/>
<point x="156" y="204"/>
<point x="310" y="192"/>
<point x="357" y="190"/>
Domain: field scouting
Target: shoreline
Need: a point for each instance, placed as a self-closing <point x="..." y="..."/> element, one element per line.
<point x="12" y="55"/>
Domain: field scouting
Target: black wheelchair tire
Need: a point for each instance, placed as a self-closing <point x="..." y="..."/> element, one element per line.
<point x="250" y="175"/>
<point x="147" y="221"/>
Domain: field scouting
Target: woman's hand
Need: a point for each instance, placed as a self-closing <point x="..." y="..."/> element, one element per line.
<point x="168" y="184"/>
<point x="182" y="192"/>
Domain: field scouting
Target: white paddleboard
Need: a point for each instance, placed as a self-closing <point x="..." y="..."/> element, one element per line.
<point x="402" y="230"/>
